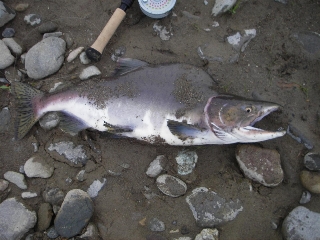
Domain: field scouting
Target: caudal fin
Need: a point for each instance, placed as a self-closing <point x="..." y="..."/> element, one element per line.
<point x="25" y="96"/>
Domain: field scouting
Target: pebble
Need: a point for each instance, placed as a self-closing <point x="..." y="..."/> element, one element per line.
<point x="91" y="232"/>
<point x="32" y="19"/>
<point x="301" y="223"/>
<point x="53" y="34"/>
<point x="80" y="176"/>
<point x="74" y="214"/>
<point x="171" y="186"/>
<point x="282" y="1"/>
<point x="15" y="219"/>
<point x="222" y="6"/>
<point x="52" y="233"/>
<point x="208" y="234"/>
<point x="39" y="167"/>
<point x="260" y="164"/>
<point x="305" y="198"/>
<point x="89" y="72"/>
<point x="16" y="178"/>
<point x="311" y="181"/>
<point x="240" y="42"/>
<point x="45" y="58"/>
<point x="211" y="210"/>
<point x="6" y="14"/>
<point x="90" y="166"/>
<point x="28" y="195"/>
<point x="6" y="59"/>
<point x="75" y="155"/>
<point x="54" y="196"/>
<point x="68" y="40"/>
<point x="45" y="214"/>
<point x="8" y="33"/>
<point x="47" y="27"/>
<point x="186" y="161"/>
<point x="49" y="121"/>
<point x="84" y="58"/>
<point x="21" y="7"/>
<point x="156" y="225"/>
<point x="74" y="54"/>
<point x="157" y="166"/>
<point x="4" y="120"/>
<point x="3" y="184"/>
<point x="312" y="161"/>
<point x="162" y="31"/>
<point x="14" y="45"/>
<point x="95" y="187"/>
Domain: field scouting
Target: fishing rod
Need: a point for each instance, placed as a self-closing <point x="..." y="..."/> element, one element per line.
<point x="95" y="51"/>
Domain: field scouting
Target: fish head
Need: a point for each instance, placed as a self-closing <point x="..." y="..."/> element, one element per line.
<point x="231" y="118"/>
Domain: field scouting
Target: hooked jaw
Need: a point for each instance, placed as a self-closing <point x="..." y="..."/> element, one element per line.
<point x="252" y="134"/>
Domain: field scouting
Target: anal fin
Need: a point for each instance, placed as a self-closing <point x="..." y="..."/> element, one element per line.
<point x="71" y="124"/>
<point x="183" y="130"/>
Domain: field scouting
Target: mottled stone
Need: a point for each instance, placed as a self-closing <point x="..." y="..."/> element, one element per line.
<point x="156" y="166"/>
<point x="38" y="166"/>
<point x="156" y="225"/>
<point x="186" y="161"/>
<point x="312" y="161"/>
<point x="259" y="164"/>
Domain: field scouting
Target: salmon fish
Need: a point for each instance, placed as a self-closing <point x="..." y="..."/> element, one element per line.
<point x="168" y="104"/>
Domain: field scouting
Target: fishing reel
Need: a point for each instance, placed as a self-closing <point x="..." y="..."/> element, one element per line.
<point x="156" y="8"/>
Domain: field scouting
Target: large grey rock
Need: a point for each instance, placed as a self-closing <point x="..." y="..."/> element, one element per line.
<point x="37" y="166"/>
<point x="6" y="14"/>
<point x="45" y="58"/>
<point x="259" y="164"/>
<point x="74" y="214"/>
<point x="6" y="59"/>
<point x="15" y="219"/>
<point x="301" y="223"/>
<point x="210" y="210"/>
<point x="16" y="178"/>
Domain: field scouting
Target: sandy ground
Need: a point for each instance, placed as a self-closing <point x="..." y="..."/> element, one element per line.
<point x="274" y="66"/>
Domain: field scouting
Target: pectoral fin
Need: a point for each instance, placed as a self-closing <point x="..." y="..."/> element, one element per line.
<point x="183" y="130"/>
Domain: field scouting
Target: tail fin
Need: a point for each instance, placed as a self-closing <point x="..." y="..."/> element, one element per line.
<point x="25" y="109"/>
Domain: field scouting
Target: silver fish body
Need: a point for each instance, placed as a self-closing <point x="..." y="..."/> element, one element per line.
<point x="173" y="104"/>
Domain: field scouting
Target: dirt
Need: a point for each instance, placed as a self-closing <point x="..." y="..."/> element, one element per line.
<point x="274" y="67"/>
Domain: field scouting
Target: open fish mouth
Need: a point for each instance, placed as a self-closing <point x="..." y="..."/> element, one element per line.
<point x="265" y="112"/>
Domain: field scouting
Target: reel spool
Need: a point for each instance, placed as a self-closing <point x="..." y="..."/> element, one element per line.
<point x="156" y="8"/>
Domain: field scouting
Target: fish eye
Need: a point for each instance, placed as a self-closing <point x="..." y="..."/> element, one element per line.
<point x="248" y="109"/>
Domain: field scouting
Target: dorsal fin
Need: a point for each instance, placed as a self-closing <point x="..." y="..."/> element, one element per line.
<point x="126" y="65"/>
